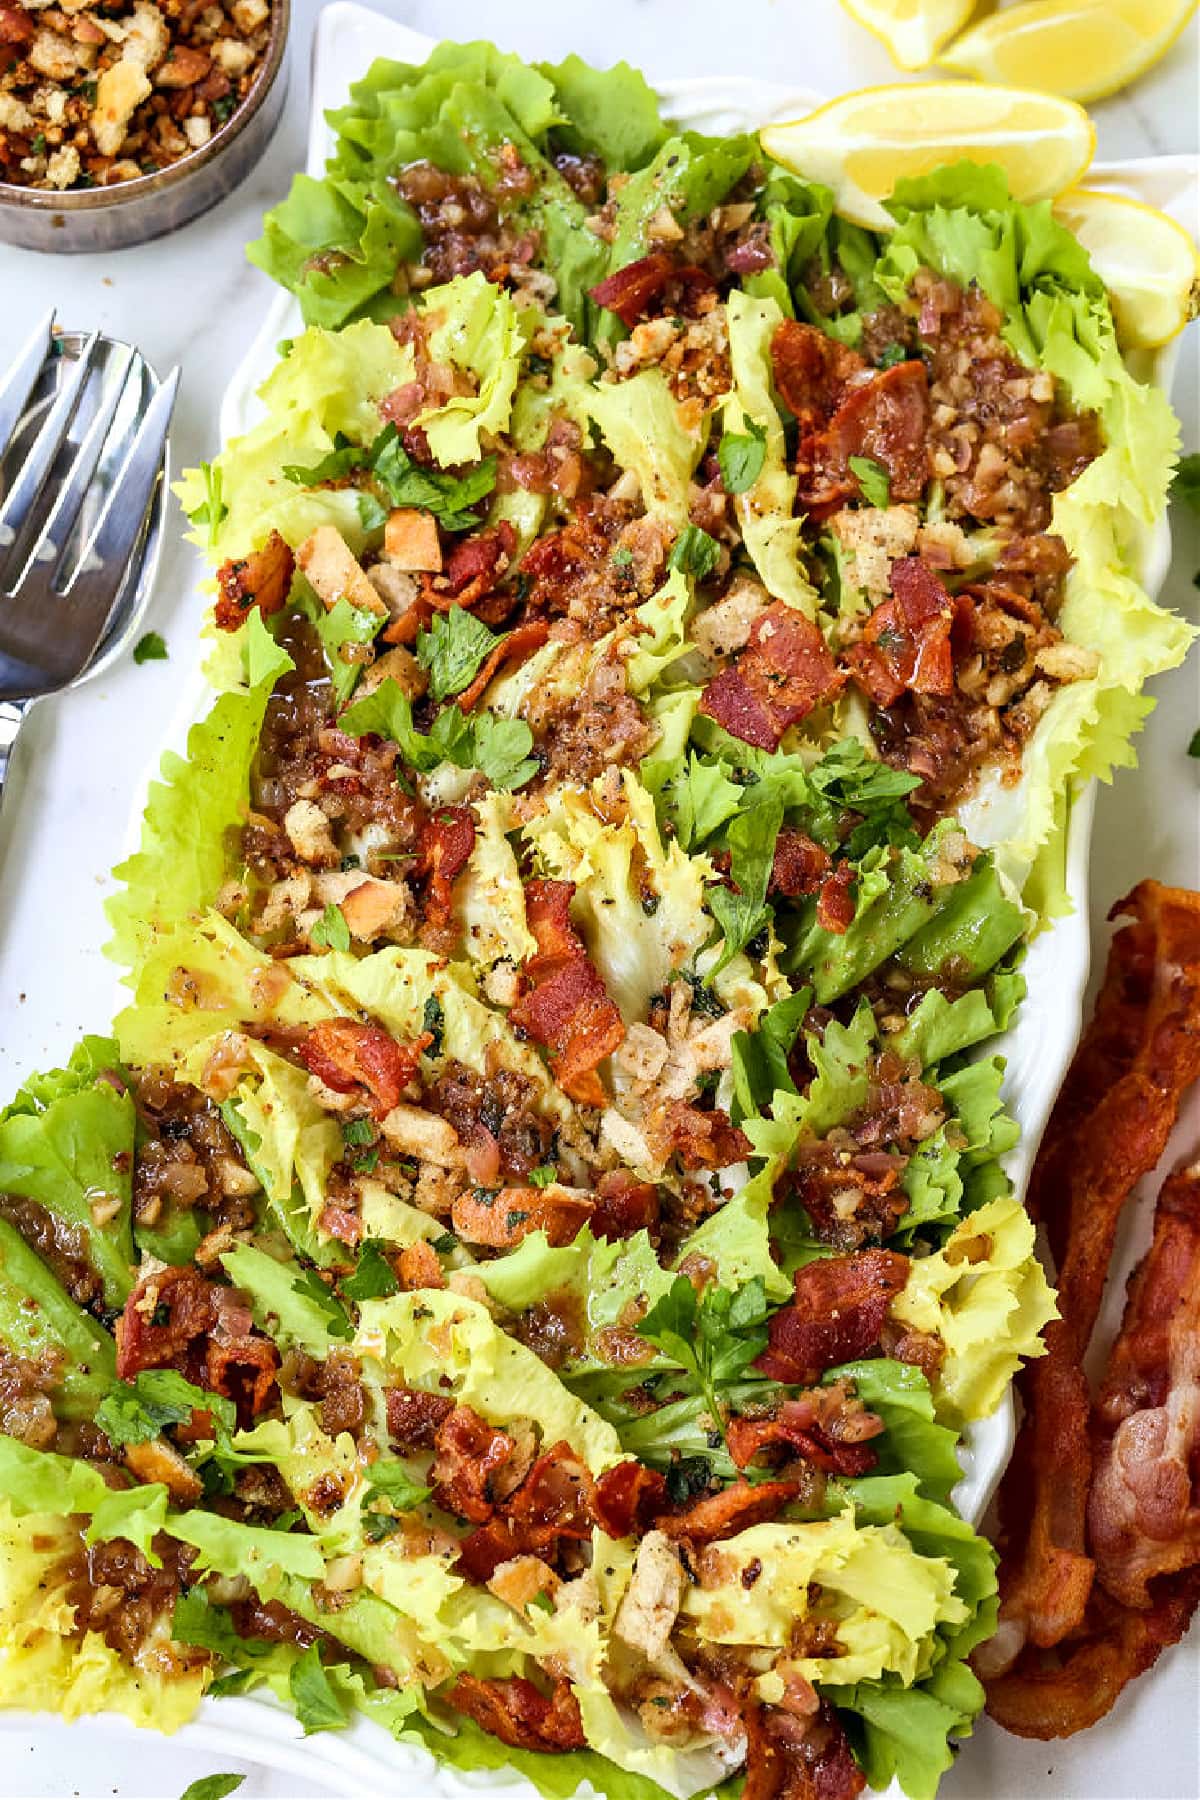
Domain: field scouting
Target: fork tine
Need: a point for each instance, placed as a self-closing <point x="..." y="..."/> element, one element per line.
<point x="56" y="531"/>
<point x="18" y="383"/>
<point x="32" y="475"/>
<point x="104" y="564"/>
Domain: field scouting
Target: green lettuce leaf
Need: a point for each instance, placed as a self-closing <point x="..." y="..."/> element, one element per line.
<point x="66" y="1142"/>
<point x="40" y="1322"/>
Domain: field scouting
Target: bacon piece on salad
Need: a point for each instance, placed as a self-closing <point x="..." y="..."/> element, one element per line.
<point x="1144" y="1508"/>
<point x="623" y="1205"/>
<point x="474" y="570"/>
<point x="514" y="647"/>
<point x="628" y="1499"/>
<point x="906" y="643"/>
<point x="567" y="1008"/>
<point x="812" y="371"/>
<point x="799" y="1752"/>
<point x="414" y="1416"/>
<point x="164" y="1316"/>
<point x="826" y="1426"/>
<point x="512" y="1709"/>
<point x="734" y="1509"/>
<point x="800" y="865"/>
<point x="1109" y="1127"/>
<point x="348" y="1054"/>
<point x="836" y="1314"/>
<point x="444" y="849"/>
<point x="783" y="673"/>
<point x="631" y="292"/>
<point x="472" y="1466"/>
<point x="502" y="1219"/>
<point x="263" y="580"/>
<point x="835" y="902"/>
<point x="552" y="1506"/>
<point x="884" y="419"/>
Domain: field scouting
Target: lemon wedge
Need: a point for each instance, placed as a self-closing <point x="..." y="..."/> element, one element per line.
<point x="911" y="31"/>
<point x="1079" y="49"/>
<point x="862" y="144"/>
<point x="1147" y="262"/>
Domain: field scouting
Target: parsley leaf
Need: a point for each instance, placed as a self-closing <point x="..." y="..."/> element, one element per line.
<point x="450" y="498"/>
<point x="342" y="628"/>
<point x="212" y="1787"/>
<point x="1194" y="746"/>
<point x="453" y="650"/>
<point x="713" y="1339"/>
<point x="873" y="479"/>
<point x="358" y="1131"/>
<point x="1186" y="485"/>
<point x="741" y="911"/>
<point x="374" y="1278"/>
<point x="543" y="1176"/>
<point x="890" y="355"/>
<point x="337" y="1322"/>
<point x="150" y="648"/>
<point x="134" y="1412"/>
<point x="317" y="1706"/>
<point x="331" y="931"/>
<point x="760" y="1057"/>
<point x="741" y="457"/>
<point x="499" y="748"/>
<point x="213" y="512"/>
<point x="342" y="460"/>
<point x="694" y="553"/>
<point x="392" y="1485"/>
<point x="372" y="514"/>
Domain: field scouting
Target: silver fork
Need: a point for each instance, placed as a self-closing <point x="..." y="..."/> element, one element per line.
<point x="83" y="447"/>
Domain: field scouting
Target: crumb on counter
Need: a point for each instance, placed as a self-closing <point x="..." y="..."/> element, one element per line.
<point x="92" y="94"/>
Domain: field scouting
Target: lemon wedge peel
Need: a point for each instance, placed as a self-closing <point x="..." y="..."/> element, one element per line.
<point x="911" y="31"/>
<point x="1076" y="49"/>
<point x="1146" y="260"/>
<point x="863" y="143"/>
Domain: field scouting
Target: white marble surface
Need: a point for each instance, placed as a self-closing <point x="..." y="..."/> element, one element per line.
<point x="192" y="298"/>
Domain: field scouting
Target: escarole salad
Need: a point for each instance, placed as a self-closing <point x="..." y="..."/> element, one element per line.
<point x="522" y="1264"/>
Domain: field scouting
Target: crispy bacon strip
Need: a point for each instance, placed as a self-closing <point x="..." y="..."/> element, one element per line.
<point x="799" y="866"/>
<point x="631" y="292"/>
<point x="701" y="1140"/>
<point x="263" y="580"/>
<point x="413" y="1417"/>
<point x="826" y="1427"/>
<point x="1057" y="1695"/>
<point x="474" y="570"/>
<point x="812" y="371"/>
<point x="469" y="1457"/>
<point x="783" y="673"/>
<point x="520" y="1715"/>
<point x="906" y="641"/>
<point x="735" y="1508"/>
<point x="567" y="1008"/>
<point x="164" y="1315"/>
<point x="838" y="1312"/>
<point x="885" y="419"/>
<point x="443" y="852"/>
<point x="1144" y="1509"/>
<point x="624" y="1205"/>
<point x="628" y="1499"/>
<point x="1109" y="1128"/>
<point x="347" y="1054"/>
<point x="794" y="1757"/>
<point x="553" y="1505"/>
<point x="513" y="647"/>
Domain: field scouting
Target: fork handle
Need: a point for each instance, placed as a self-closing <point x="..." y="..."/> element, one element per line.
<point x="11" y="714"/>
